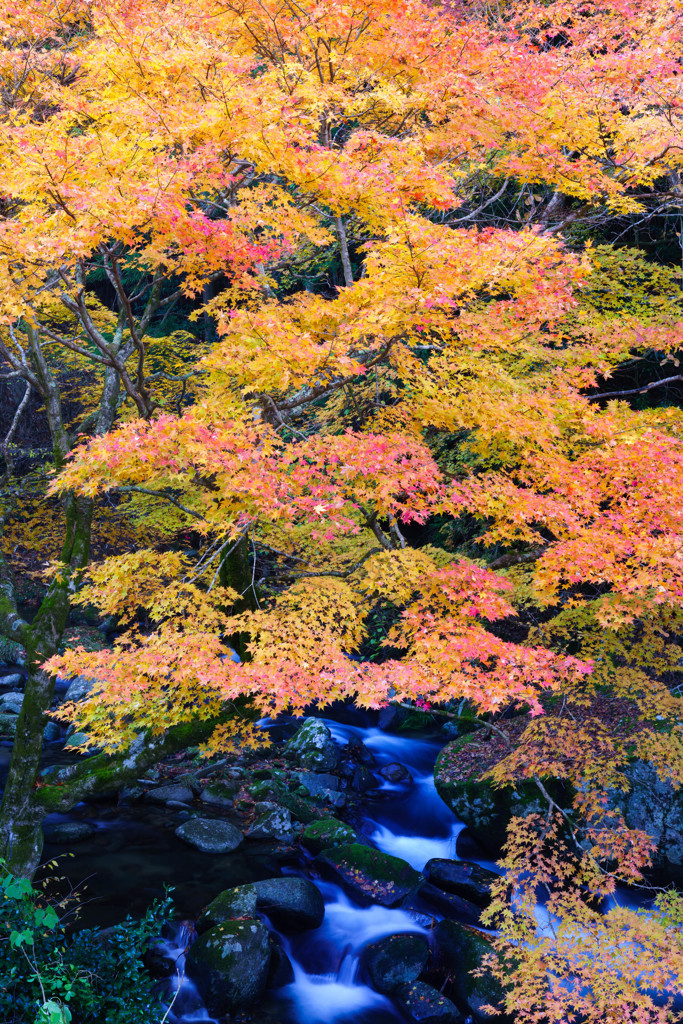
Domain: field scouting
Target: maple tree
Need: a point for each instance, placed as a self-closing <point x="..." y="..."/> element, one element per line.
<point x="208" y="157"/>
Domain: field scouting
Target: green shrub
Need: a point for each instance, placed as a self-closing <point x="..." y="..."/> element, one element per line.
<point x="47" y="977"/>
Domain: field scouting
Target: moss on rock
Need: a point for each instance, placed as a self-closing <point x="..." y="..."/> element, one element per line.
<point x="371" y="876"/>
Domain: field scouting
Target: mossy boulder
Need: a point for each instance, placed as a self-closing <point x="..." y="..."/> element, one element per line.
<point x="422" y="1004"/>
<point x="460" y="953"/>
<point x="272" y="790"/>
<point x="370" y="876"/>
<point x="293" y="904"/>
<point x="328" y="833"/>
<point x="220" y="794"/>
<point x="272" y="822"/>
<point x="229" y="965"/>
<point x="228" y="905"/>
<point x="394" y="961"/>
<point x="312" y="747"/>
<point x="485" y="809"/>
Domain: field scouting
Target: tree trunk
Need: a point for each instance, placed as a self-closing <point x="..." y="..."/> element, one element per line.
<point x="21" y="838"/>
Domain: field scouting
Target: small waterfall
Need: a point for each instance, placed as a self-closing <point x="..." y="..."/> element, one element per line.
<point x="407" y="820"/>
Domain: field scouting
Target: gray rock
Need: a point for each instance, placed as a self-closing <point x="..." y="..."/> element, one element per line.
<point x="272" y="823"/>
<point x="394" y="961"/>
<point x="79" y="688"/>
<point x="291" y="903"/>
<point x="210" y="836"/>
<point x="52" y="732"/>
<point x="657" y="808"/>
<point x="229" y="965"/>
<point x="8" y="725"/>
<point x="132" y="793"/>
<point x="313" y="747"/>
<point x="10" y="703"/>
<point x="162" y="794"/>
<point x="422" y="1004"/>
<point x="395" y="773"/>
<point x="370" y="876"/>
<point x="78" y="739"/>
<point x="68" y="831"/>
<point x="15" y="679"/>
<point x="319" y="784"/>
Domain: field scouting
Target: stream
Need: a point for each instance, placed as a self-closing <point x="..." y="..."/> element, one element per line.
<point x="406" y="820"/>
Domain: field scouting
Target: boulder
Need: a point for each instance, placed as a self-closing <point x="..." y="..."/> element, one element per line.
<point x="318" y="784"/>
<point x="15" y="679"/>
<point x="369" y="875"/>
<point x="210" y="836"/>
<point x="394" y="961"/>
<point x="312" y="746"/>
<point x="162" y="794"/>
<point x="79" y="688"/>
<point x="229" y="965"/>
<point x="422" y="1004"/>
<point x="11" y="702"/>
<point x="220" y="794"/>
<point x="229" y="904"/>
<point x="67" y="831"/>
<point x="8" y="725"/>
<point x="460" y="952"/>
<point x="363" y="780"/>
<point x="450" y="904"/>
<point x="296" y="803"/>
<point x="280" y="972"/>
<point x="293" y="904"/>
<point x="655" y="807"/>
<point x="326" y="834"/>
<point x="462" y="877"/>
<point x="273" y="822"/>
<point x="395" y="773"/>
<point x="52" y="732"/>
<point x="483" y="807"/>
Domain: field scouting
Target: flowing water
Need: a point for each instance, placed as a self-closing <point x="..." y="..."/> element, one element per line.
<point x="407" y="820"/>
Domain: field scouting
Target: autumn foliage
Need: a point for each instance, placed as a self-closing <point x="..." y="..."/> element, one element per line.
<point x="214" y="153"/>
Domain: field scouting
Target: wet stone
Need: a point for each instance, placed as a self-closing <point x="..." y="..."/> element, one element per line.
<point x="422" y="1004"/>
<point x="395" y="961"/>
<point x="210" y="836"/>
<point x="395" y="773"/>
<point x="464" y="878"/>
<point x="68" y="831"/>
<point x="291" y="903"/>
<point x="450" y="904"/>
